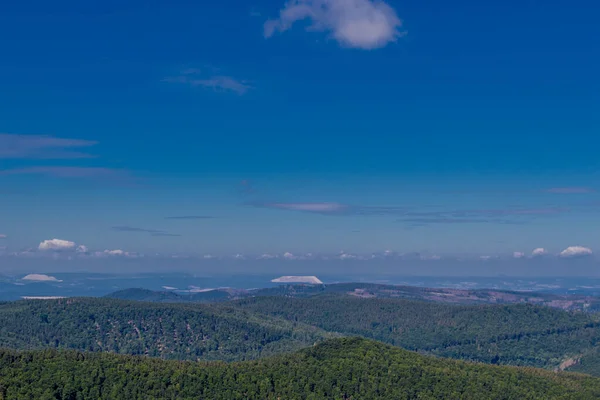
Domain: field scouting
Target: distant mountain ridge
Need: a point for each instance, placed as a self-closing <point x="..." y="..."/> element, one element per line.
<point x="372" y="290"/>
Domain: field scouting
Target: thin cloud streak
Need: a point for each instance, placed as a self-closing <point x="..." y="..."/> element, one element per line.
<point x="444" y="221"/>
<point x="125" y="228"/>
<point x="16" y="146"/>
<point x="194" y="77"/>
<point x="191" y="217"/>
<point x="333" y="209"/>
<point x="570" y="190"/>
<point x="509" y="216"/>
<point x="68" y="172"/>
<point x="152" y="232"/>
<point x="488" y="212"/>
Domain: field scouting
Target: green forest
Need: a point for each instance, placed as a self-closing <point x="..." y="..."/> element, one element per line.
<point x="347" y="368"/>
<point x="519" y="334"/>
<point x="169" y="331"/>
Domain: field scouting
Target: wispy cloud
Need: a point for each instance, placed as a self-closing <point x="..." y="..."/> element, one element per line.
<point x="362" y="24"/>
<point x="195" y="77"/>
<point x="152" y="232"/>
<point x="69" y="172"/>
<point x="125" y="228"/>
<point x="3" y="236"/>
<point x="488" y="212"/>
<point x="509" y="216"/>
<point x="332" y="208"/>
<point x="426" y="221"/>
<point x="41" y="147"/>
<point x="570" y="190"/>
<point x="191" y="217"/>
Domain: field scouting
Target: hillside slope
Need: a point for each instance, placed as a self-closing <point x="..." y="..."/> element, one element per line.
<point x="520" y="334"/>
<point x="348" y="368"/>
<point x="171" y="331"/>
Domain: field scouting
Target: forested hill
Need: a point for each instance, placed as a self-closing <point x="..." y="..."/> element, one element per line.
<point x="171" y="331"/>
<point x="520" y="334"/>
<point x="245" y="329"/>
<point x="350" y="368"/>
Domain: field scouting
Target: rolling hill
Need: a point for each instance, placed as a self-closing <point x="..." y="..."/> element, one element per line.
<point x="518" y="334"/>
<point x="170" y="331"/>
<point x="350" y="368"/>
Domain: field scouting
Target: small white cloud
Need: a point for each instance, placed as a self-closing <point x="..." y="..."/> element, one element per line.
<point x="575" y="251"/>
<point x="518" y="254"/>
<point x="115" y="252"/>
<point x="346" y="256"/>
<point x="540" y="251"/>
<point x="267" y="256"/>
<point x="289" y="256"/>
<point x="239" y="257"/>
<point x="56" y="244"/>
<point x="362" y="24"/>
<point x="3" y="236"/>
<point x="40" y="278"/>
<point x="208" y="256"/>
<point x="82" y="249"/>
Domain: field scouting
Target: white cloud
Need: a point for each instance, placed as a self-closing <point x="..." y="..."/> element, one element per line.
<point x="363" y="24"/>
<point x="40" y="278"/>
<point x="267" y="256"/>
<point x="56" y="244"/>
<point x="540" y="251"/>
<point x="346" y="256"/>
<point x="82" y="249"/>
<point x="575" y="251"/>
<point x="116" y="253"/>
<point x="289" y="256"/>
<point x="208" y="256"/>
<point x="518" y="254"/>
<point x="3" y="236"/>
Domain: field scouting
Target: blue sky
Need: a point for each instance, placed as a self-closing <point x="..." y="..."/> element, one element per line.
<point x="318" y="126"/>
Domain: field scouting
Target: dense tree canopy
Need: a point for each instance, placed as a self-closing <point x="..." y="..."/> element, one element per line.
<point x="350" y="368"/>
<point x="171" y="331"/>
<point x="249" y="328"/>
<point x="519" y="334"/>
